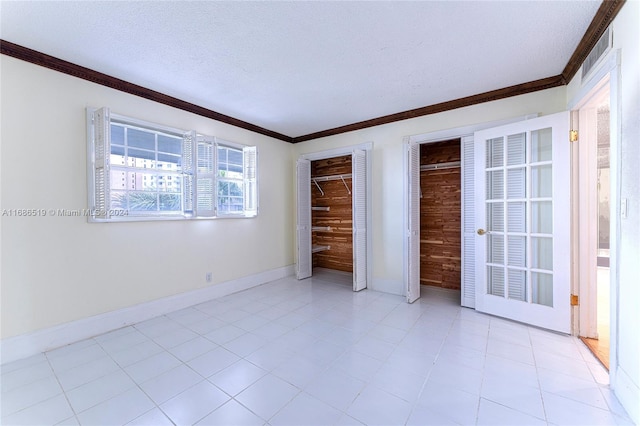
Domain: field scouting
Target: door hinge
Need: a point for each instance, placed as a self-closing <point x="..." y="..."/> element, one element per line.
<point x="573" y="136"/>
<point x="574" y="300"/>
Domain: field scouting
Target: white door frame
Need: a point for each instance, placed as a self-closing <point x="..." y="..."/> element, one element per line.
<point x="607" y="73"/>
<point x="585" y="212"/>
<point x="438" y="136"/>
<point x="348" y="150"/>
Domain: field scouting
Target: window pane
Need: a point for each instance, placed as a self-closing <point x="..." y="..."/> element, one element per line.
<point x="235" y="156"/>
<point x="170" y="144"/>
<point x="516" y="179"/>
<point x="120" y="180"/>
<point x="517" y="248"/>
<point x="141" y="139"/>
<point x="170" y="202"/>
<point x="542" y="288"/>
<point x="495" y="280"/>
<point x="495" y="248"/>
<point x="495" y="152"/>
<point x="119" y="200"/>
<point x="230" y="162"/>
<point x="541" y="217"/>
<point x="169" y="183"/>
<point x="142" y="181"/>
<point x="495" y="217"/>
<point x="516" y="149"/>
<point x="516" y="217"/>
<point x="117" y="135"/>
<point x="141" y="159"/>
<point x="517" y="284"/>
<point x="169" y="162"/>
<point x="495" y="185"/>
<point x="143" y="201"/>
<point x="541" y="181"/>
<point x="542" y="253"/>
<point x="117" y="151"/>
<point x="541" y="145"/>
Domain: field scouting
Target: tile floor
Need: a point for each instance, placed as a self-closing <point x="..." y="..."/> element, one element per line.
<point x="313" y="352"/>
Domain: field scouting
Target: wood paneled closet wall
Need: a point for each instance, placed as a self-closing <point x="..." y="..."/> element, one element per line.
<point x="332" y="228"/>
<point x="440" y="216"/>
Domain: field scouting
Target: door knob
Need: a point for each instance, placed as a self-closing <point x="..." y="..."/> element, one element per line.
<point x="481" y="231"/>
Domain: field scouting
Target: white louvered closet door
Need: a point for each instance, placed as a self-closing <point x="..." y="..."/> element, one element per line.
<point x="359" y="213"/>
<point x="468" y="289"/>
<point x="303" y="229"/>
<point x="522" y="248"/>
<point x="413" y="222"/>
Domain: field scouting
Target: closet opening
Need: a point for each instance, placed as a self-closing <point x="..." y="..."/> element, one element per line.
<point x="331" y="216"/>
<point x="440" y="215"/>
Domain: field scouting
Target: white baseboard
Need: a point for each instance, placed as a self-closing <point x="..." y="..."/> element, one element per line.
<point x="25" y="345"/>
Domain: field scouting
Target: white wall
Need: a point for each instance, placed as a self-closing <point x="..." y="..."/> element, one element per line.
<point x="60" y="269"/>
<point x="625" y="364"/>
<point x="388" y="168"/>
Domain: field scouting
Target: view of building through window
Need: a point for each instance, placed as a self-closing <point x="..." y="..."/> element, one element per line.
<point x="230" y="179"/>
<point x="146" y="170"/>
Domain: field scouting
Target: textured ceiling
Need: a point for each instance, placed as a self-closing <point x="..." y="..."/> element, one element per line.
<point x="301" y="67"/>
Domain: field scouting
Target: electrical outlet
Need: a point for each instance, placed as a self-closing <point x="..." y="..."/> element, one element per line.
<point x="208" y="277"/>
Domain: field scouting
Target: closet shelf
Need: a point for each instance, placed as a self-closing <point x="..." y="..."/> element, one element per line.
<point x="342" y="177"/>
<point x="321" y="209"/>
<point x="317" y="248"/>
<point x="321" y="228"/>
<point x="440" y="166"/>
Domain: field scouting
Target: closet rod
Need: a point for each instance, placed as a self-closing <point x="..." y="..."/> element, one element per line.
<point x="333" y="177"/>
<point x="439" y="166"/>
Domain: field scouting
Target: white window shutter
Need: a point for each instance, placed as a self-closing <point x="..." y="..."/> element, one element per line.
<point x="468" y="293"/>
<point x="359" y="191"/>
<point x="205" y="190"/>
<point x="188" y="141"/>
<point x="102" y="156"/>
<point x="413" y="231"/>
<point x="250" y="181"/>
<point x="305" y="261"/>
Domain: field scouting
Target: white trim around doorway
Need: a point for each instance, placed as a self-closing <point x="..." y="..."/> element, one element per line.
<point x="438" y="136"/>
<point x="348" y="150"/>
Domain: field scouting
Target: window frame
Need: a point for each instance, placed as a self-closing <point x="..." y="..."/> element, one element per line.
<point x="221" y="143"/>
<point x="193" y="182"/>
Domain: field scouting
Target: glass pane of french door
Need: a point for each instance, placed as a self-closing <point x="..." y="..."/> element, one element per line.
<point x="523" y="221"/>
<point x="519" y="217"/>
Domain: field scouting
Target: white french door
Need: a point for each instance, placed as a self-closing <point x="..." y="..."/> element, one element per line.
<point x="522" y="203"/>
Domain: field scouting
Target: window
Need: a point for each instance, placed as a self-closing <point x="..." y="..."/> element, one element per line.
<point x="142" y="170"/>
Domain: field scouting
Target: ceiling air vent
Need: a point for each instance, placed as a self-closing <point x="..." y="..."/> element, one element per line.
<point x="599" y="50"/>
